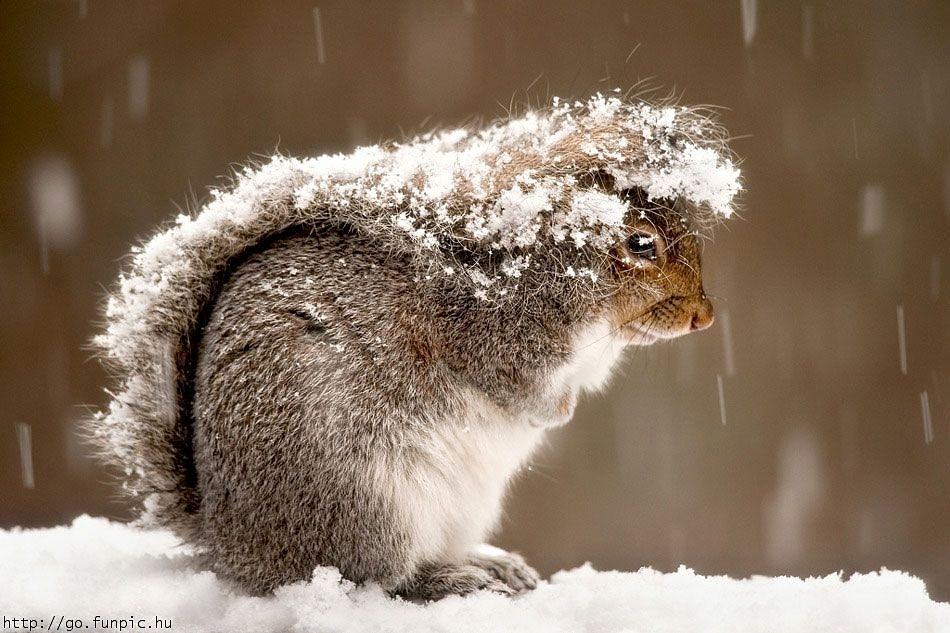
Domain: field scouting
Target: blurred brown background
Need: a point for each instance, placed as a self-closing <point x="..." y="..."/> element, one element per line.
<point x="835" y="452"/>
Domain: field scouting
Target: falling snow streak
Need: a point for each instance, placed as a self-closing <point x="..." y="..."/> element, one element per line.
<point x="901" y="339"/>
<point x="808" y="32"/>
<point x="926" y="94"/>
<point x="872" y="209"/>
<point x="318" y="30"/>
<point x="108" y="115"/>
<point x="935" y="277"/>
<point x="44" y="247"/>
<point x="358" y="131"/>
<point x="727" y="353"/>
<point x="749" y="10"/>
<point x="138" y="73"/>
<point x="54" y="203"/>
<point x="946" y="190"/>
<point x="55" y="68"/>
<point x="722" y="399"/>
<point x="23" y="435"/>
<point x="854" y="137"/>
<point x="469" y="6"/>
<point x="925" y="413"/>
<point x="83" y="9"/>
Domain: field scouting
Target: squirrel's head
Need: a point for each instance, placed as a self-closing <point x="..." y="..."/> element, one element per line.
<point x="643" y="275"/>
<point x="658" y="276"/>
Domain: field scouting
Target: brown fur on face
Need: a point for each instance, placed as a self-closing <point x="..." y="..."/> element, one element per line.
<point x="661" y="295"/>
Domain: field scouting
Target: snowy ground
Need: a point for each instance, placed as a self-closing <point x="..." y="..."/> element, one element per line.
<point x="98" y="568"/>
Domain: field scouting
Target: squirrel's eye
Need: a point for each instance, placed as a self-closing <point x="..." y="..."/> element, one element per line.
<point x="642" y="245"/>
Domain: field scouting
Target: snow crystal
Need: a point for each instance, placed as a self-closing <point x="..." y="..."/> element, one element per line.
<point x="99" y="568"/>
<point x="594" y="209"/>
<point x="521" y="211"/>
<point x="700" y="174"/>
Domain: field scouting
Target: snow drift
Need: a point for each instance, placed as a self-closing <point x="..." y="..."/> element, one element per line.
<point x="95" y="567"/>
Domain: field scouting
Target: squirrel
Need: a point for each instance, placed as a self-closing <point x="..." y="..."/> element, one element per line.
<point x="344" y="360"/>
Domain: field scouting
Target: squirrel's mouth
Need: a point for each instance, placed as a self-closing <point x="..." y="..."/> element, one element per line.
<point x="668" y="319"/>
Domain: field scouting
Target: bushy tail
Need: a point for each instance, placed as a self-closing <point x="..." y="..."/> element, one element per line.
<point x="153" y="321"/>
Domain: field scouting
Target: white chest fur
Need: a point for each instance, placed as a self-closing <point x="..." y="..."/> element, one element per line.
<point x="453" y="495"/>
<point x="597" y="348"/>
<point x="450" y="489"/>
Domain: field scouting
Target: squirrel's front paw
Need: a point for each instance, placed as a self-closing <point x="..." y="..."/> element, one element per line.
<point x="508" y="567"/>
<point x="554" y="409"/>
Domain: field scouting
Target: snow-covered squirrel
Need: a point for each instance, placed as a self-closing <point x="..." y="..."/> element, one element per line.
<point x="343" y="360"/>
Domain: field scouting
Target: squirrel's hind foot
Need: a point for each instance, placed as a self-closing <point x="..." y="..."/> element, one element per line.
<point x="434" y="582"/>
<point x="507" y="567"/>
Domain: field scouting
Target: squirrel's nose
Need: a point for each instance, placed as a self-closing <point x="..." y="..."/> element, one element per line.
<point x="703" y="315"/>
